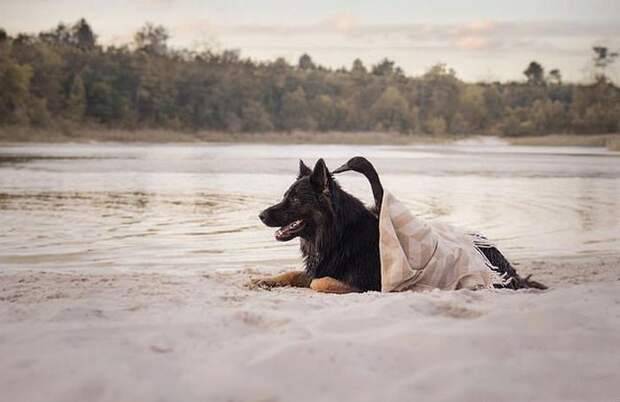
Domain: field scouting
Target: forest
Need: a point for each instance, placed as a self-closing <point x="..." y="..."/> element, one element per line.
<point x="64" y="76"/>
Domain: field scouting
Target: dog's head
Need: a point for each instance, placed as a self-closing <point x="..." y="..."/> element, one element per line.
<point x="306" y="205"/>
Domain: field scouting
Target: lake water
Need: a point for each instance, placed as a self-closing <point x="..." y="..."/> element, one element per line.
<point x="187" y="207"/>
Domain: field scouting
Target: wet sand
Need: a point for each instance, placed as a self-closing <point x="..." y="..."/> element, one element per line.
<point x="205" y="336"/>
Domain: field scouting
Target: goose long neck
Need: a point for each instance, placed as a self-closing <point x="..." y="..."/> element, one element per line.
<point x="375" y="184"/>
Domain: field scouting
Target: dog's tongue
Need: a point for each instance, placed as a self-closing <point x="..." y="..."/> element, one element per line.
<point x="286" y="230"/>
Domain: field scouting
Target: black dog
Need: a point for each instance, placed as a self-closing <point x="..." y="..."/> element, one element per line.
<point x="339" y="236"/>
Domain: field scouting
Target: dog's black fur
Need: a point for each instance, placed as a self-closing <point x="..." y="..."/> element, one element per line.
<point x="339" y="236"/>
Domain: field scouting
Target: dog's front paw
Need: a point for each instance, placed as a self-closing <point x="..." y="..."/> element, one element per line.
<point x="261" y="283"/>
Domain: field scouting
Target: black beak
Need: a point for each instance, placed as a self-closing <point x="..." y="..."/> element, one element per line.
<point x="343" y="168"/>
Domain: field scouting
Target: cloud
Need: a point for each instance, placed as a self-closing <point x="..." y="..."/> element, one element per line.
<point x="341" y="22"/>
<point x="480" y="26"/>
<point x="475" y="43"/>
<point x="470" y="46"/>
<point x="475" y="35"/>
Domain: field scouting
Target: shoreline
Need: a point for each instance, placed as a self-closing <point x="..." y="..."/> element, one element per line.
<point x="609" y="141"/>
<point x="22" y="135"/>
<point x="88" y="135"/>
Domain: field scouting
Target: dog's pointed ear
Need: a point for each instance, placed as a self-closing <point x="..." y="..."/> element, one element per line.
<point x="303" y="170"/>
<point x="320" y="176"/>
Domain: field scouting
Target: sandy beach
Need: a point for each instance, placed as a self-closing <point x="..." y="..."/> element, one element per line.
<point x="205" y="336"/>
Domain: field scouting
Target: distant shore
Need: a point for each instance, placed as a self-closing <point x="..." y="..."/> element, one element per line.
<point x="89" y="135"/>
<point x="610" y="141"/>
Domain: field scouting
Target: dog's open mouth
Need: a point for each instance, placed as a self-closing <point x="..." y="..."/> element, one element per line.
<point x="287" y="232"/>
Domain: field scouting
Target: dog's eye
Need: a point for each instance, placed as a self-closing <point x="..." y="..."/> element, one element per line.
<point x="295" y="199"/>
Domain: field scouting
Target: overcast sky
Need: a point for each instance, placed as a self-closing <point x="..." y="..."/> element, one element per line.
<point x="481" y="40"/>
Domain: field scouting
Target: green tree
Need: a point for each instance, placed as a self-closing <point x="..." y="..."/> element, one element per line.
<point x="76" y="102"/>
<point x="37" y="112"/>
<point x="516" y="122"/>
<point x="83" y="35"/>
<point x="62" y="35"/>
<point x="305" y="62"/>
<point x="255" y="117"/>
<point x="555" y="77"/>
<point x="439" y="94"/>
<point x="437" y="126"/>
<point x="358" y="68"/>
<point x="14" y="92"/>
<point x="472" y="111"/>
<point x="329" y="113"/>
<point x="103" y="103"/>
<point x="152" y="39"/>
<point x="535" y="73"/>
<point x="391" y="111"/>
<point x="295" y="111"/>
<point x="384" y="68"/>
<point x="602" y="59"/>
<point x="547" y="117"/>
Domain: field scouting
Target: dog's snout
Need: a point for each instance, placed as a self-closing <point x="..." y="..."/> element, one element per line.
<point x="262" y="216"/>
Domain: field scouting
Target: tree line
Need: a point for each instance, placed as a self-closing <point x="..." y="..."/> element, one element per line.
<point x="64" y="75"/>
